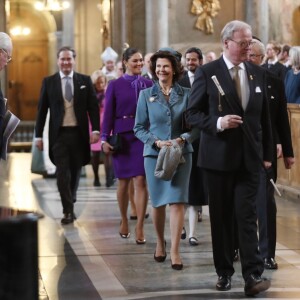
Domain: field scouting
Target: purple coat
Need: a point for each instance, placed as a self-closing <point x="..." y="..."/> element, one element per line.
<point x="119" y="116"/>
<point x="120" y="104"/>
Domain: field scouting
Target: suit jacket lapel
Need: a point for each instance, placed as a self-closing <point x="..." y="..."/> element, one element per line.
<point x="76" y="85"/>
<point x="227" y="84"/>
<point x="251" y="81"/>
<point x="57" y="87"/>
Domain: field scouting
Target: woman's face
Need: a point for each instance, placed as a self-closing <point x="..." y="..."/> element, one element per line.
<point x="164" y="70"/>
<point x="134" y="65"/>
<point x="100" y="84"/>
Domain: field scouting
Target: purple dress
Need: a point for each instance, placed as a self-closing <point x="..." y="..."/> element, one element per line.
<point x="119" y="116"/>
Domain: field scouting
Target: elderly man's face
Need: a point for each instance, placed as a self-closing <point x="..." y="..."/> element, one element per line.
<point x="237" y="48"/>
<point x="110" y="65"/>
<point x="5" y="57"/>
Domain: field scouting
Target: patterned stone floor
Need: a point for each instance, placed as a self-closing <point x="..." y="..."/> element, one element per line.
<point x="89" y="260"/>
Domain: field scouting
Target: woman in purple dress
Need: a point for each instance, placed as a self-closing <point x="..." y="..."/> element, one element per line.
<point x="119" y="116"/>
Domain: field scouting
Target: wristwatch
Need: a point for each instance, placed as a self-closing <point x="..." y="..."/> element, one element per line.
<point x="183" y="138"/>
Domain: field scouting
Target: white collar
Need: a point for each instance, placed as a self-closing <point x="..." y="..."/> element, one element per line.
<point x="62" y="75"/>
<point x="191" y="74"/>
<point x="230" y="65"/>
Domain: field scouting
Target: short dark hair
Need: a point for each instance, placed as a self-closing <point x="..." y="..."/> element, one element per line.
<point x="196" y="50"/>
<point x="176" y="64"/>
<point x="66" y="48"/>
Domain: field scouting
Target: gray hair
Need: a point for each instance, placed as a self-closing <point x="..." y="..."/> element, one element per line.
<point x="259" y="46"/>
<point x="295" y="57"/>
<point x="5" y="41"/>
<point x="229" y="29"/>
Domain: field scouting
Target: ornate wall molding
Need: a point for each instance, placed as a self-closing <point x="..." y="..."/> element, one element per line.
<point x="206" y="10"/>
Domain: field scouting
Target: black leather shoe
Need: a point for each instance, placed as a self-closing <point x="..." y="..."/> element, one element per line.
<point x="270" y="264"/>
<point x="193" y="241"/>
<point x="223" y="283"/>
<point x="255" y="284"/>
<point x="67" y="219"/>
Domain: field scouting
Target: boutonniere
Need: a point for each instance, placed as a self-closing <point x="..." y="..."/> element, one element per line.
<point x="152" y="99"/>
<point x="251" y="77"/>
<point x="82" y="87"/>
<point x="257" y="89"/>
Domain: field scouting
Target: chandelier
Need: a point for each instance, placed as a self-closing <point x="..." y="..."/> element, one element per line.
<point x="19" y="29"/>
<point x="51" y="5"/>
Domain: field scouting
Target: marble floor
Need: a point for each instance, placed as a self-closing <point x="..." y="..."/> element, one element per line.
<point x="89" y="259"/>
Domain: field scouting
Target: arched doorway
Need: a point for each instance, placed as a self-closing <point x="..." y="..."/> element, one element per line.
<point x="30" y="57"/>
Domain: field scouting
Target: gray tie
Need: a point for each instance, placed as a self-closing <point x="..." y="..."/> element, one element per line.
<point x="236" y="80"/>
<point x="68" y="89"/>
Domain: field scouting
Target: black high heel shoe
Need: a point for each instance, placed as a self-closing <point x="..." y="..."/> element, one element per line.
<point x="177" y="267"/>
<point x="161" y="258"/>
<point x="124" y="235"/>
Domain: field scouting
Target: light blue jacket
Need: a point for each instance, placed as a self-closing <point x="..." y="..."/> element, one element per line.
<point x="157" y="119"/>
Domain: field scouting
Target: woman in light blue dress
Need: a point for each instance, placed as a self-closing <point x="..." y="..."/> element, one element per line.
<point x="158" y="121"/>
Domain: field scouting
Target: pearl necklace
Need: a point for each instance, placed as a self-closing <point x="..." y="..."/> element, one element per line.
<point x="166" y="93"/>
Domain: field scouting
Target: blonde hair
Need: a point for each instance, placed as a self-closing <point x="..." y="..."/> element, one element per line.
<point x="96" y="74"/>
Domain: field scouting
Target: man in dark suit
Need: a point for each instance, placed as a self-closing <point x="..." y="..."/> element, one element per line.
<point x="70" y="98"/>
<point x="236" y="139"/>
<point x="193" y="59"/>
<point x="282" y="145"/>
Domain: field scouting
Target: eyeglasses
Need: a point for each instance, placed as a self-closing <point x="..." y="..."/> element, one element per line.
<point x="243" y="44"/>
<point x="255" y="55"/>
<point x="8" y="57"/>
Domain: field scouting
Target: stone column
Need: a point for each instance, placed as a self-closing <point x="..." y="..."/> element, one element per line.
<point x="257" y="15"/>
<point x="67" y="37"/>
<point x="157" y="28"/>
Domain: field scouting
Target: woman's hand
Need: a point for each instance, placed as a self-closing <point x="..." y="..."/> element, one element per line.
<point x="107" y="148"/>
<point x="160" y="143"/>
<point x="180" y="141"/>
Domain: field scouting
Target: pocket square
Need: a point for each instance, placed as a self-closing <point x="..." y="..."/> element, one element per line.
<point x="257" y="89"/>
<point x="82" y="87"/>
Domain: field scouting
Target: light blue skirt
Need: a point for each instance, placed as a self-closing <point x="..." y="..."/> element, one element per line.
<point x="167" y="192"/>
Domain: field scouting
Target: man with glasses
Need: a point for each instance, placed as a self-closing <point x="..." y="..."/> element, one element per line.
<point x="236" y="139"/>
<point x="282" y="145"/>
<point x="5" y="58"/>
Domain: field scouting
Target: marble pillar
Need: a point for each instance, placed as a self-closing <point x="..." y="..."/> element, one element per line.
<point x="157" y="24"/>
<point x="67" y="37"/>
<point x="257" y="15"/>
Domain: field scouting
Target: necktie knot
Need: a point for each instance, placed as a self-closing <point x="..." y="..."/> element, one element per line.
<point x="68" y="89"/>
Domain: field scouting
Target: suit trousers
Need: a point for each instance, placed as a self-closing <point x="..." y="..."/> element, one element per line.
<point x="232" y="194"/>
<point x="68" y="157"/>
<point x="266" y="214"/>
